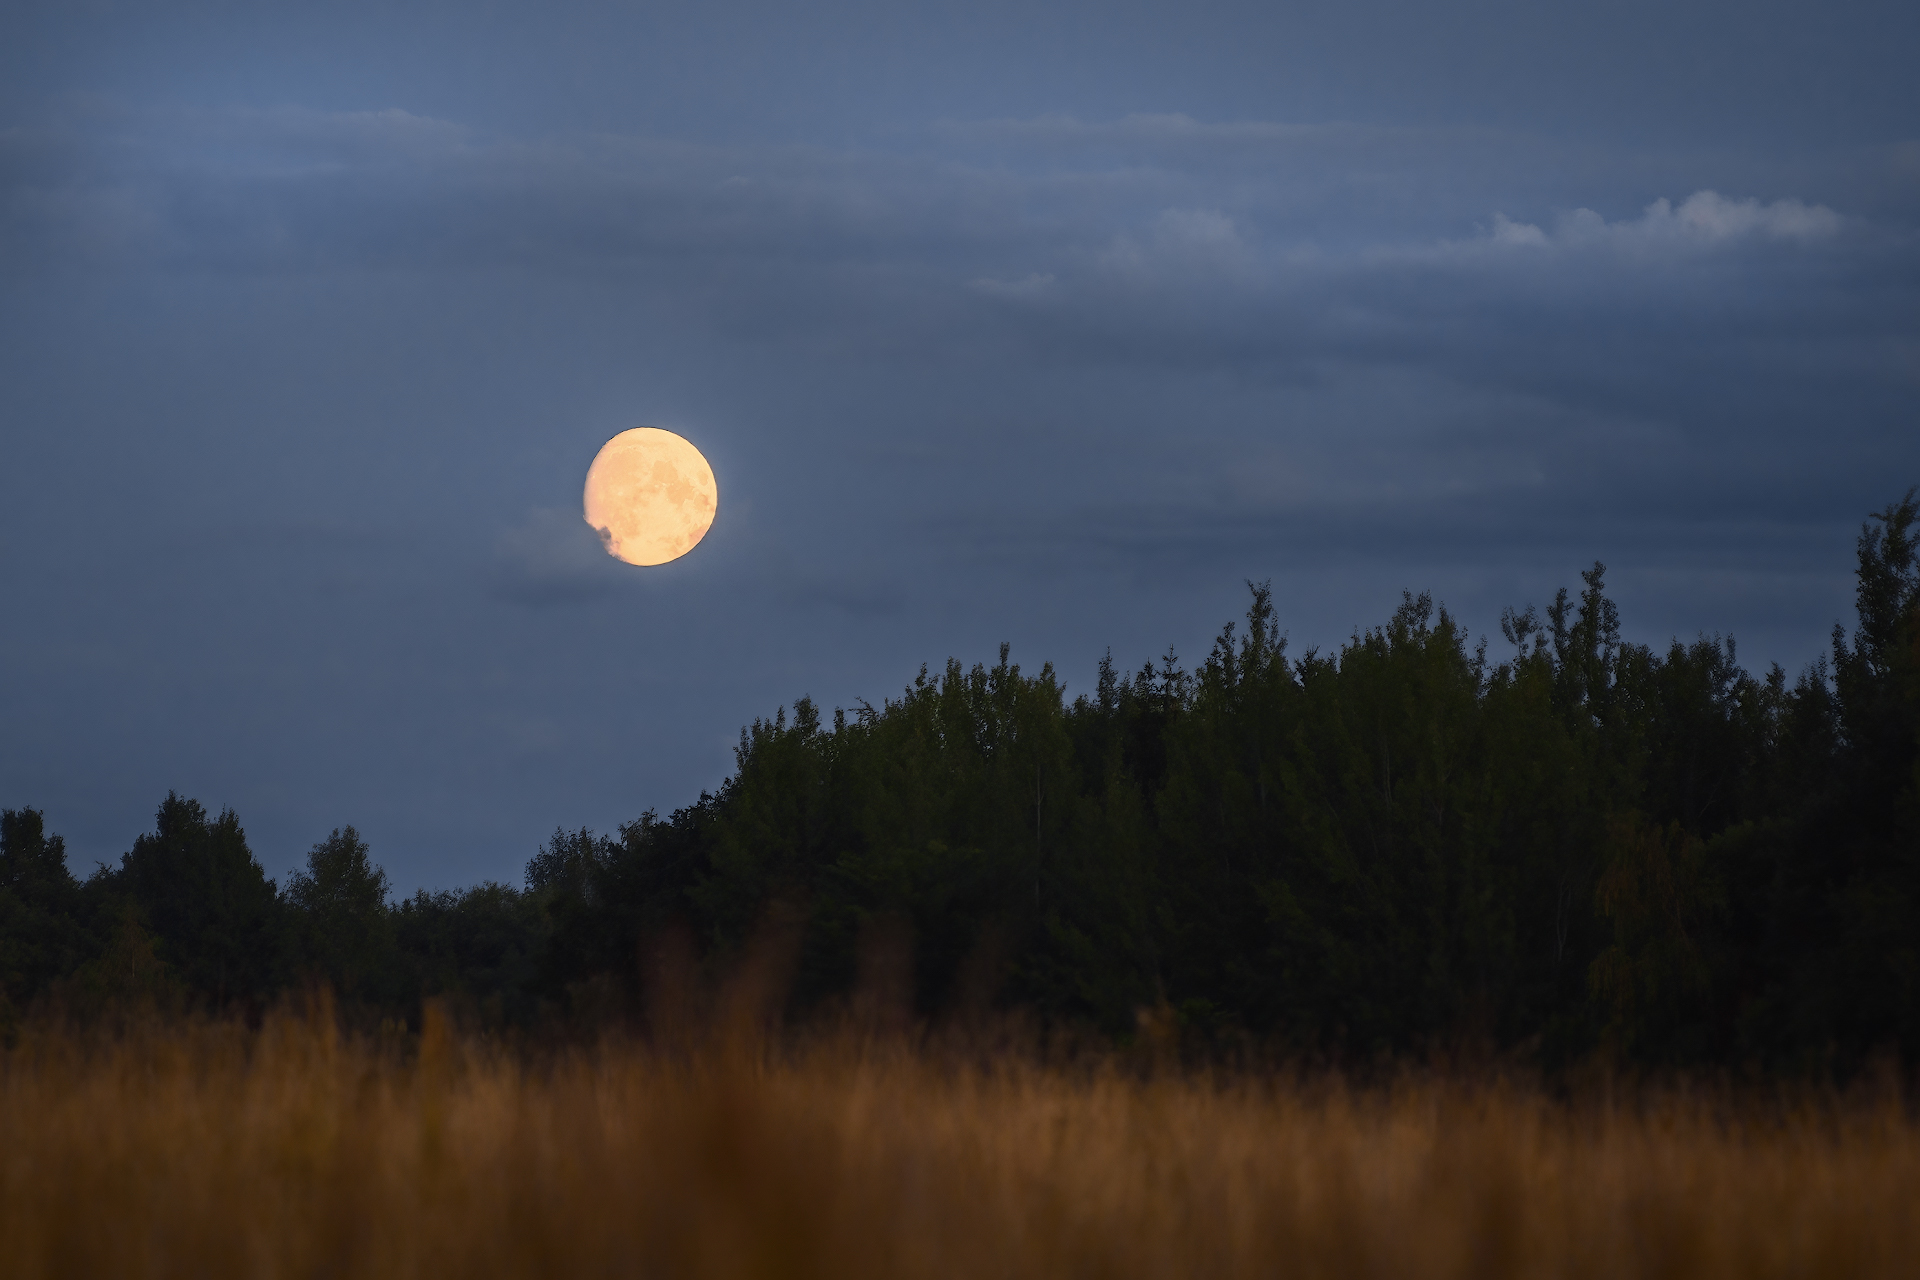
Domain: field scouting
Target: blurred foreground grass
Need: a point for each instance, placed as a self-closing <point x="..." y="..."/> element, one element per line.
<point x="211" y="1150"/>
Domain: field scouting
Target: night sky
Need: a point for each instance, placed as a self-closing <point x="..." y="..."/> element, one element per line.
<point x="1046" y="324"/>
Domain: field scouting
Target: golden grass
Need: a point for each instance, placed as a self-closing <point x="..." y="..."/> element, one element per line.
<point x="214" y="1151"/>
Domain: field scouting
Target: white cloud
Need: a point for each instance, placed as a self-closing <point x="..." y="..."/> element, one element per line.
<point x="1709" y="216"/>
<point x="1198" y="229"/>
<point x="1506" y="231"/>
<point x="1703" y="218"/>
<point x="1179" y="245"/>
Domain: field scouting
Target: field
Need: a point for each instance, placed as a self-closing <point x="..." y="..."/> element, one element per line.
<point x="211" y="1150"/>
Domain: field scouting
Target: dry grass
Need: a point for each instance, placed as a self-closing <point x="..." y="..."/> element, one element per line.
<point x="213" y="1151"/>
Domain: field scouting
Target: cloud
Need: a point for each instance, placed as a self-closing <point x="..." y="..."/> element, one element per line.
<point x="1705" y="218"/>
<point x="1179" y="249"/>
<point x="296" y="188"/>
<point x="551" y="557"/>
<point x="1708" y="215"/>
<point x="1506" y="231"/>
<point x="1275" y="251"/>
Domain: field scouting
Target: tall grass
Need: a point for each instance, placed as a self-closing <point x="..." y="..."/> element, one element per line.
<point x="211" y="1150"/>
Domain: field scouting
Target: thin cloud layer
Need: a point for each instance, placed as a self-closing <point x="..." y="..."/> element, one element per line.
<point x="551" y="556"/>
<point x="280" y="187"/>
<point x="1277" y="254"/>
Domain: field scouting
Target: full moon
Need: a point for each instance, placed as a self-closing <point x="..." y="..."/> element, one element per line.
<point x="650" y="496"/>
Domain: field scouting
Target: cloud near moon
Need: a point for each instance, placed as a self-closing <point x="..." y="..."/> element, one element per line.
<point x="650" y="496"/>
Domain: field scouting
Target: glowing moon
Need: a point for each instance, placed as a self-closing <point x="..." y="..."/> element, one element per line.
<point x="650" y="496"/>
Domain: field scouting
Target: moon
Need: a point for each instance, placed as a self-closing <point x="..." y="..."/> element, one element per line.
<point x="650" y="496"/>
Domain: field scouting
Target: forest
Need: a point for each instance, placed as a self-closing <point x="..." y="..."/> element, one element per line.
<point x="1572" y="848"/>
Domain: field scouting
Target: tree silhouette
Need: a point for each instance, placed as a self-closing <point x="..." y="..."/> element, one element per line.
<point x="208" y="902"/>
<point x="42" y="931"/>
<point x="342" y="929"/>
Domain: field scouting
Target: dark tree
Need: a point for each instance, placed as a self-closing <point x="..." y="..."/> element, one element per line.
<point x="342" y="928"/>
<point x="478" y="948"/>
<point x="208" y="902"/>
<point x="43" y="935"/>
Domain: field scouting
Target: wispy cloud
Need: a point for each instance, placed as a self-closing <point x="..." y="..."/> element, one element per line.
<point x="1705" y="218"/>
<point x="551" y="557"/>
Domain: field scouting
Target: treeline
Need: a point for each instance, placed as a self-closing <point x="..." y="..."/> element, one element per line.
<point x="1582" y="846"/>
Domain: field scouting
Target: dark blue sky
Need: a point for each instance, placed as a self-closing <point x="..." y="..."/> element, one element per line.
<point x="1046" y="325"/>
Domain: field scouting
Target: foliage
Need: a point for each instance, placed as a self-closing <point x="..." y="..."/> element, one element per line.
<point x="215" y="916"/>
<point x="343" y="933"/>
<point x="43" y="933"/>
<point x="478" y="949"/>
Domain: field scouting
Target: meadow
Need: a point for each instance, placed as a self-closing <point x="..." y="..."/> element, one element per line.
<point x="211" y="1149"/>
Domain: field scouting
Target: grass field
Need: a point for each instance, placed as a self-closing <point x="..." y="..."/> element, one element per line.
<point x="210" y="1151"/>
